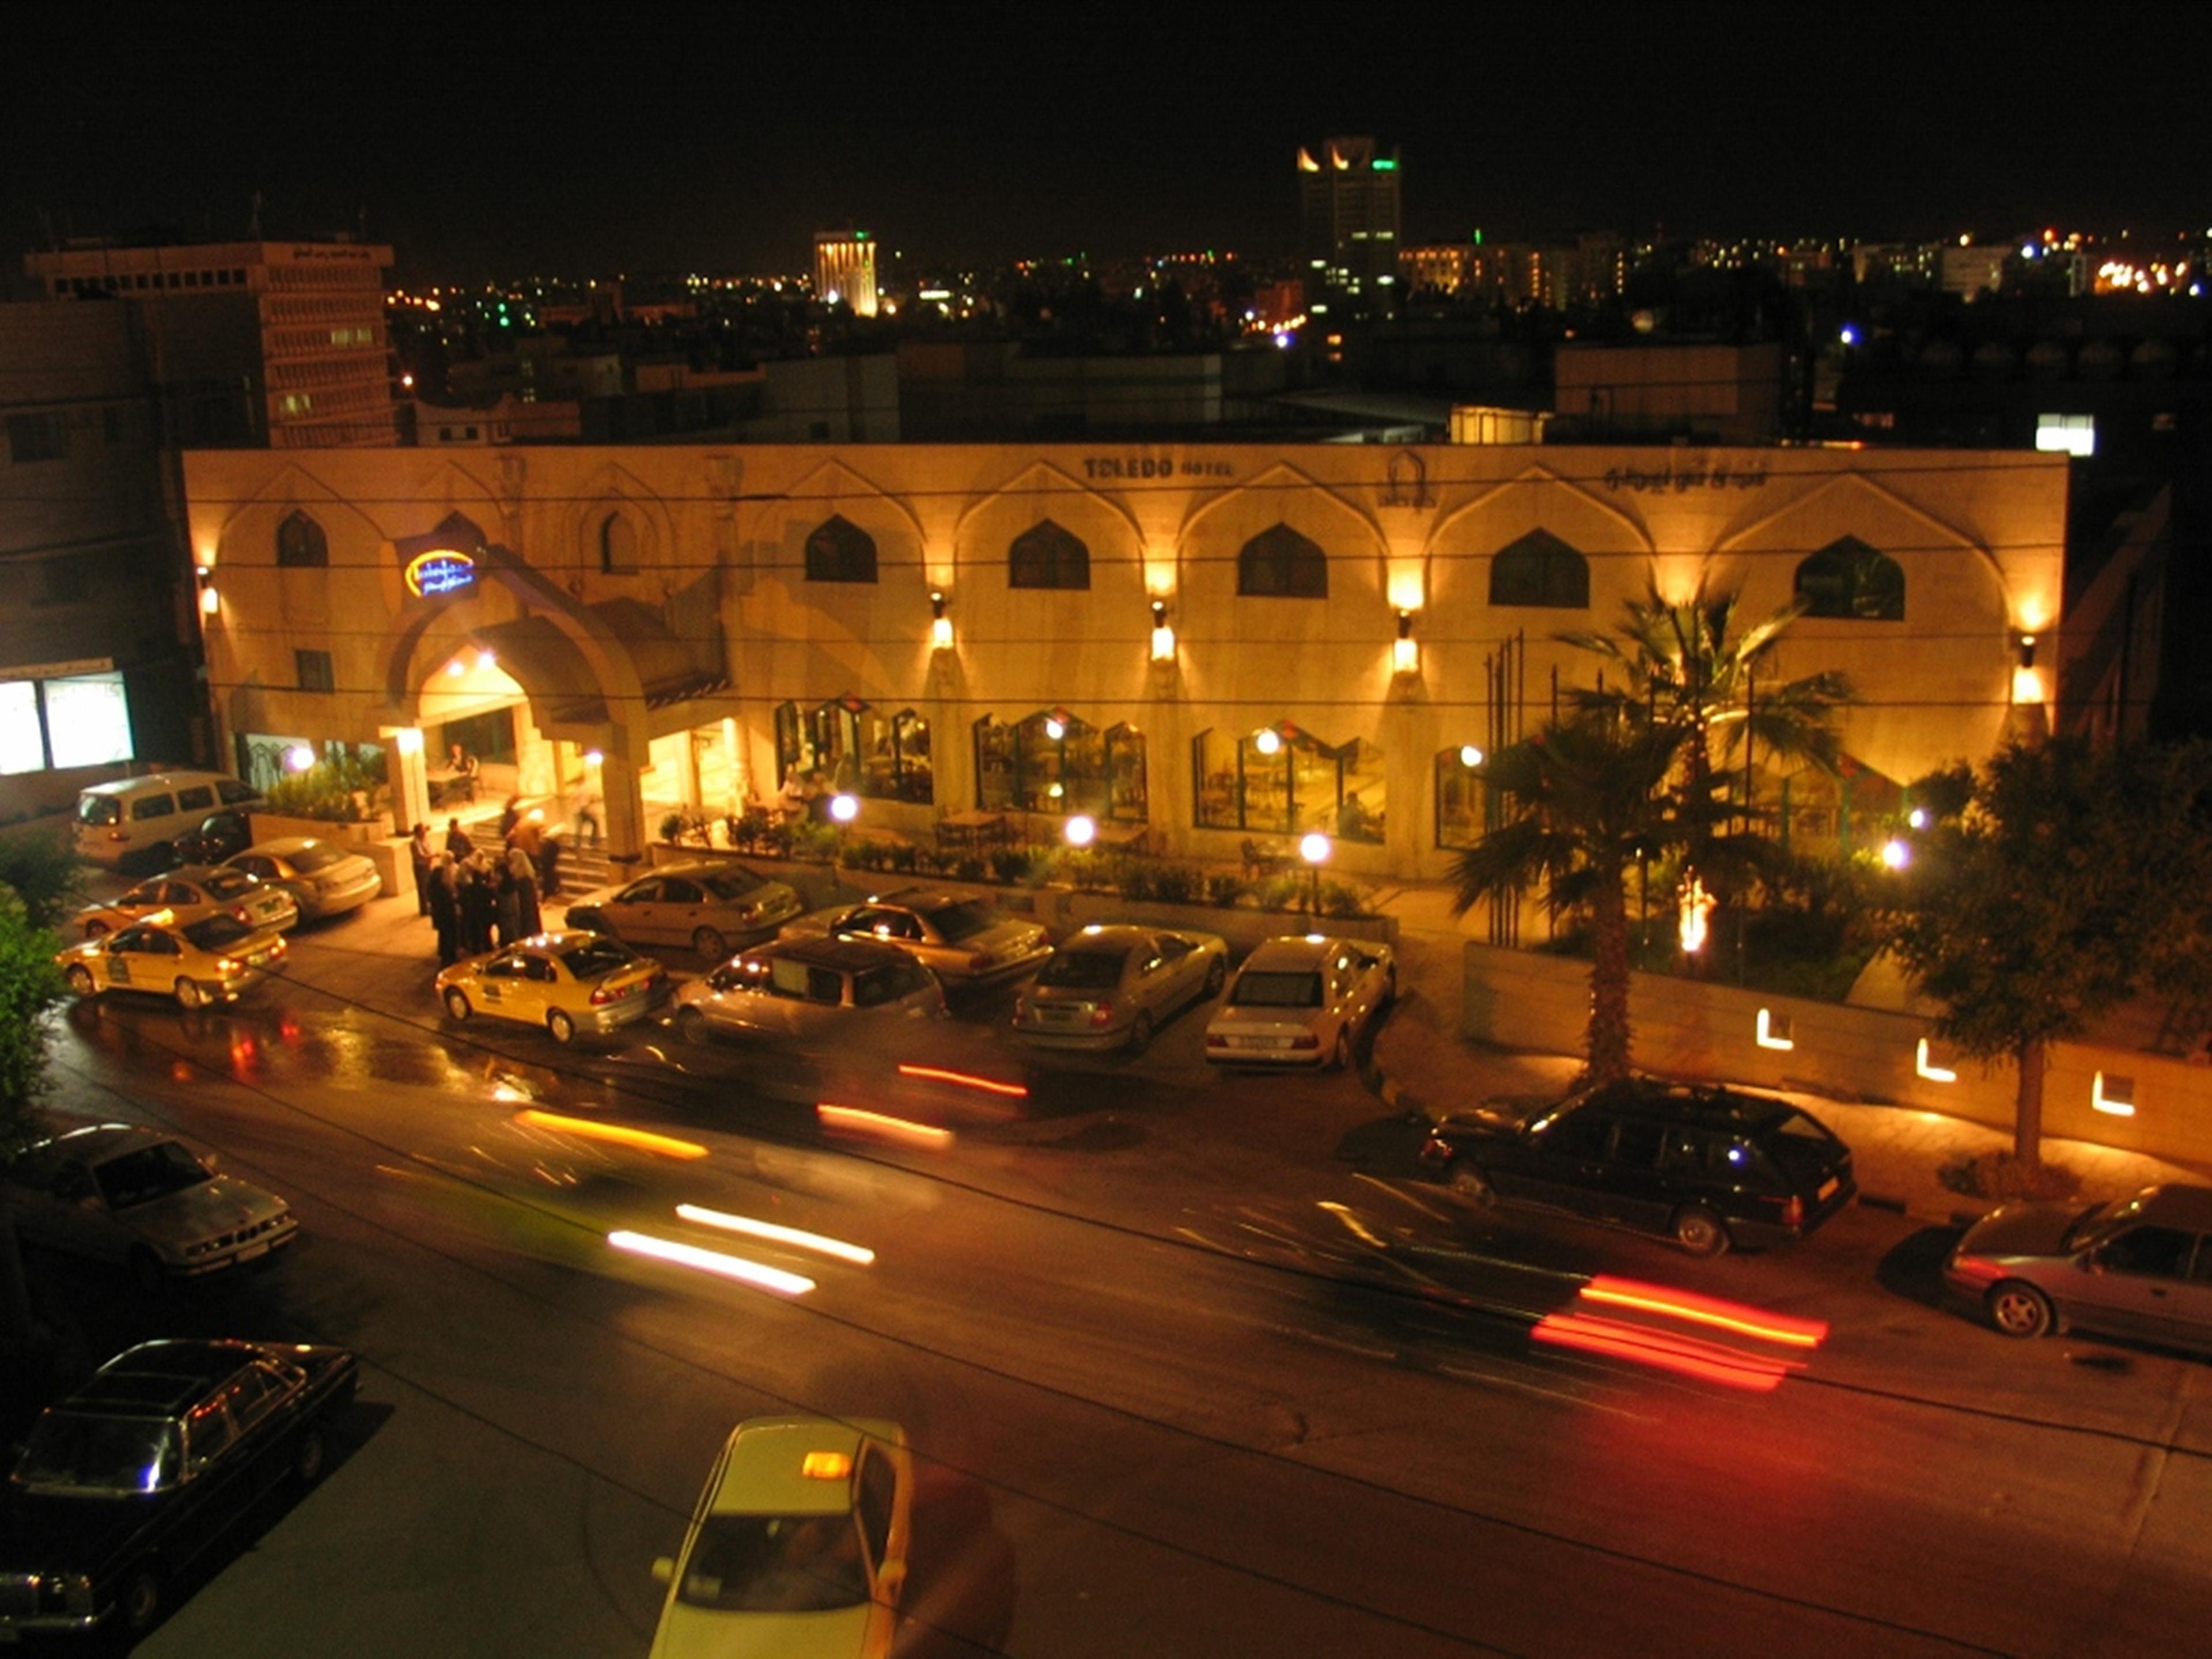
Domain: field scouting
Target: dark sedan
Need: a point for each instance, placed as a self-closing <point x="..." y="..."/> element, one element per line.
<point x="1709" y="1168"/>
<point x="152" y="1464"/>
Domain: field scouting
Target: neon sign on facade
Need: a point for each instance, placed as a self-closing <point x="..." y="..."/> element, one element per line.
<point x="439" y="571"/>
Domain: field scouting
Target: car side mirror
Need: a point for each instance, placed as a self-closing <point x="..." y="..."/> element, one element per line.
<point x="664" y="1568"/>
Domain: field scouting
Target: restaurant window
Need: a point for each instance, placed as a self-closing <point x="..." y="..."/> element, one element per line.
<point x="850" y="745"/>
<point x="617" y="543"/>
<point x="1462" y="805"/>
<point x="895" y="760"/>
<point x="301" y="544"/>
<point x="1046" y="556"/>
<point x="1053" y="762"/>
<point x="1280" y="563"/>
<point x="1283" y="780"/>
<point x="839" y="551"/>
<point x="1539" y="569"/>
<point x="1851" y="582"/>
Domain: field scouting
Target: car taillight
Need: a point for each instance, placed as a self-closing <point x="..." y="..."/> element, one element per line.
<point x="1102" y="1013"/>
<point x="978" y="962"/>
<point x="1215" y="1040"/>
<point x="1306" y="1040"/>
<point x="118" y="835"/>
<point x="1793" y="1213"/>
<point x="225" y="965"/>
<point x="1434" y="1151"/>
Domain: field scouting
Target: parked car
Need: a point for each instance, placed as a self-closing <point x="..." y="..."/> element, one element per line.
<point x="963" y="941"/>
<point x="136" y="1198"/>
<point x="218" y="836"/>
<point x="191" y="892"/>
<point x="1709" y="1168"/>
<point x="1302" y="1000"/>
<point x="567" y="982"/>
<point x="135" y="821"/>
<point x="322" y="879"/>
<point x="2139" y="1268"/>
<point x="131" y="1481"/>
<point x="211" y="960"/>
<point x="712" y="907"/>
<point x="1111" y="987"/>
<point x="798" y="1544"/>
<point x="808" y="989"/>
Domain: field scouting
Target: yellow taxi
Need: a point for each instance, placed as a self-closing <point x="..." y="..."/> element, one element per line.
<point x="210" y="960"/>
<point x="797" y="1546"/>
<point x="567" y="982"/>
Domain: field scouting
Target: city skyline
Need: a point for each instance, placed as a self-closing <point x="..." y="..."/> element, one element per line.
<point x="476" y="149"/>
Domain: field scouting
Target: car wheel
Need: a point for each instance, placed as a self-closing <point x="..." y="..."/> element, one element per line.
<point x="1141" y="1031"/>
<point x="146" y="1272"/>
<point x="1216" y="975"/>
<point x="189" y="994"/>
<point x="457" y="1003"/>
<point x="1700" y="1232"/>
<point x="2021" y="1309"/>
<point x="562" y="1027"/>
<point x="140" y="1600"/>
<point x="79" y="980"/>
<point x="709" y="943"/>
<point x="310" y="1455"/>
<point x="95" y="930"/>
<point x="691" y="1026"/>
<point x="1471" y="1186"/>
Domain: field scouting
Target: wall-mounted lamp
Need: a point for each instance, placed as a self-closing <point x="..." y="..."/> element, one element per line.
<point x="1928" y="1068"/>
<point x="409" y="739"/>
<point x="1470" y="756"/>
<point x="1162" y="635"/>
<point x="2027" y="679"/>
<point x="2116" y="1095"/>
<point x="1774" y="1030"/>
<point x="1405" y="652"/>
<point x="210" y="604"/>
<point x="940" y="625"/>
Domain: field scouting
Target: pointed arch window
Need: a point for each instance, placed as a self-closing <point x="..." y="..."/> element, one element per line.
<point x="1047" y="556"/>
<point x="839" y="551"/>
<point x="1851" y="582"/>
<point x="1280" y="563"/>
<point x="617" y="545"/>
<point x="301" y="544"/>
<point x="1540" y="571"/>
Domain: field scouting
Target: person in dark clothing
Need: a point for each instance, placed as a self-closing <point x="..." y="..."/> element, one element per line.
<point x="549" y="867"/>
<point x="510" y="815"/>
<point x="522" y="877"/>
<point x="478" y="908"/>
<point x="507" y="904"/>
<point x="457" y="839"/>
<point x="422" y="854"/>
<point x="444" y="910"/>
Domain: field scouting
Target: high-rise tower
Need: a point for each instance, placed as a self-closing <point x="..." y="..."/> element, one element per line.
<point x="845" y="269"/>
<point x="1348" y="203"/>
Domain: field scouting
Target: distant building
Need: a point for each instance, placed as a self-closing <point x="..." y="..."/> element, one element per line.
<point x="1348" y="205"/>
<point x="845" y="269"/>
<point x="299" y="325"/>
<point x="1727" y="394"/>
<point x="1972" y="270"/>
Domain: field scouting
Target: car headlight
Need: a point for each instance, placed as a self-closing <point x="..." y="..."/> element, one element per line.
<point x="200" y="1248"/>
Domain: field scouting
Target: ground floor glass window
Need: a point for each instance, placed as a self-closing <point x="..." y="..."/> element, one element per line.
<point x="1053" y="762"/>
<point x="1284" y="780"/>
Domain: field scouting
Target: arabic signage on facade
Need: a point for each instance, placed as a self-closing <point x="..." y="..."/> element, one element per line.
<point x="440" y="570"/>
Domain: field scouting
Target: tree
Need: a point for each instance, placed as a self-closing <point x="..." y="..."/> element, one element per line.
<point x="1696" y="665"/>
<point x="1590" y="797"/>
<point x="2054" y="885"/>
<point x="30" y="984"/>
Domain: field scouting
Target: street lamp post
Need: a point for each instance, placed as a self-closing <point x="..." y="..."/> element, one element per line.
<point x="1315" y="850"/>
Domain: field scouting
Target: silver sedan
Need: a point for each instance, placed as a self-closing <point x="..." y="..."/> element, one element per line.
<point x="1111" y="987"/>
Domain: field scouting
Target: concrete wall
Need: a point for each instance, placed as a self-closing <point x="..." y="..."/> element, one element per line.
<point x="1686" y="1027"/>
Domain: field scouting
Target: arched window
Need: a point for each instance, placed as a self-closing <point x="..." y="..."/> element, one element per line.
<point x="839" y="551"/>
<point x="1539" y="569"/>
<point x="1279" y="563"/>
<point x="1853" y="582"/>
<point x="617" y="545"/>
<point x="301" y="544"/>
<point x="1046" y="556"/>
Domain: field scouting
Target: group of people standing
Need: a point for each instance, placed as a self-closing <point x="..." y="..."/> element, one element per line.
<point x="479" y="899"/>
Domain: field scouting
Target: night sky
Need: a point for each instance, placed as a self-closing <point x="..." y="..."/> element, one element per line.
<point x="552" y="139"/>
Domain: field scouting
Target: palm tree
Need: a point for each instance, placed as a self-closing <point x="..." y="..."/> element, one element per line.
<point x="1696" y="665"/>
<point x="1589" y="798"/>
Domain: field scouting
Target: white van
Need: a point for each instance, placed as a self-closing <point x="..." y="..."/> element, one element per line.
<point x="132" y="820"/>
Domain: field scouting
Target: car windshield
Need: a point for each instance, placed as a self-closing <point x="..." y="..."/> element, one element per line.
<point x="227" y="883"/>
<point x="732" y="883"/>
<point x="150" y="1173"/>
<point x="964" y="920"/>
<point x="1085" y="970"/>
<point x="1301" y="990"/>
<point x="596" y="957"/>
<point x="1801" y="1125"/>
<point x="99" y="809"/>
<point x="309" y="860"/>
<point x="83" y="1452"/>
<point x="775" y="1563"/>
<point x="2096" y="1223"/>
<point x="213" y="933"/>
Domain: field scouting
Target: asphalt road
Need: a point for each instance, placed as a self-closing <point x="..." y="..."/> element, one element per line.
<point x="1193" y="1366"/>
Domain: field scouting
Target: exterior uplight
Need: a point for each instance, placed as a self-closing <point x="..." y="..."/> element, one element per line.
<point x="1080" y="830"/>
<point x="210" y="604"/>
<point x="1162" y="635"/>
<point x="1405" y="651"/>
<point x="940" y="625"/>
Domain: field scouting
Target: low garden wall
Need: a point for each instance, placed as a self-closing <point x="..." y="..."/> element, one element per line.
<point x="1690" y="1028"/>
